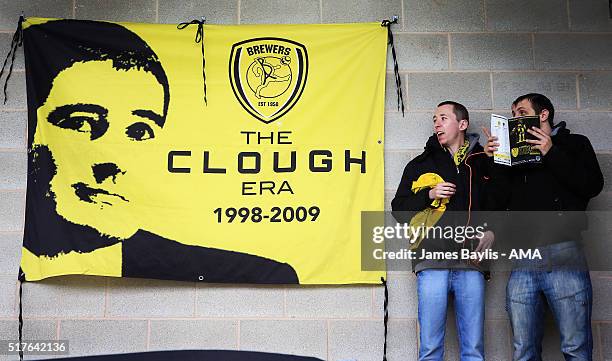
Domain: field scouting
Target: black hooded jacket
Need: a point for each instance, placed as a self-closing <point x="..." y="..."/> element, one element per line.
<point x="470" y="178"/>
<point x="547" y="201"/>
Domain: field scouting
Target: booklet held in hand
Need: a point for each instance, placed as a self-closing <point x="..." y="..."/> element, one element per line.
<point x="512" y="136"/>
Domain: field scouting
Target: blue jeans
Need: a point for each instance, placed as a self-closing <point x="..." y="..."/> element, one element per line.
<point x="568" y="293"/>
<point x="433" y="289"/>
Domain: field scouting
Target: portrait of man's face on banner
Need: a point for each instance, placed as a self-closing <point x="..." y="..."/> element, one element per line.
<point x="99" y="110"/>
<point x="92" y="124"/>
<point x="96" y="192"/>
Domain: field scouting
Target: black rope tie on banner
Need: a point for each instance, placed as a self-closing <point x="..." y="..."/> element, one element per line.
<point x="21" y="281"/>
<point x="386" y="316"/>
<point x="199" y="38"/>
<point x="15" y="43"/>
<point x="398" y="80"/>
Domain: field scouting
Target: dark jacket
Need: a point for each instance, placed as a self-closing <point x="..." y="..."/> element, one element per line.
<point x="438" y="160"/>
<point x="549" y="199"/>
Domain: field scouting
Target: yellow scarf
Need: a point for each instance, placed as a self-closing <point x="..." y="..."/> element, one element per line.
<point x="461" y="153"/>
<point x="429" y="216"/>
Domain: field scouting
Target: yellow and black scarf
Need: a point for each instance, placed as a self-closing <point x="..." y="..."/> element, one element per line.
<point x="462" y="152"/>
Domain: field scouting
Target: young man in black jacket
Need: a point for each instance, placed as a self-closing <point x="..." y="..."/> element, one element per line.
<point x="559" y="190"/>
<point x="441" y="180"/>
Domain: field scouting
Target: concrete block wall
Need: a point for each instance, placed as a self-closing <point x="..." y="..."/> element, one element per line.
<point x="482" y="53"/>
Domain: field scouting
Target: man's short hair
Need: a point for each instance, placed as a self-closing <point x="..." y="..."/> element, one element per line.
<point x="460" y="110"/>
<point x="539" y="102"/>
<point x="54" y="38"/>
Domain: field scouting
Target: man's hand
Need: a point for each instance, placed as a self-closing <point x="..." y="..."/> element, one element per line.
<point x="543" y="142"/>
<point x="492" y="143"/>
<point x="442" y="190"/>
<point x="485" y="242"/>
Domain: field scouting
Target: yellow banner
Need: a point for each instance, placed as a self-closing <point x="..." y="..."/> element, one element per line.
<point x="132" y="173"/>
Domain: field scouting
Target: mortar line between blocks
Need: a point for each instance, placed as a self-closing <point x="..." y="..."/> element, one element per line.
<point x="533" y="50"/>
<point x="238" y="334"/>
<point x="578" y="105"/>
<point x="372" y="303"/>
<point x="492" y="91"/>
<point x="505" y="32"/>
<point x="239" y="5"/>
<point x="106" y="286"/>
<point x="327" y="340"/>
<point x="599" y="343"/>
<point x="402" y="9"/>
<point x="485" y="15"/>
<point x="450" y="52"/>
<point x="416" y="333"/>
<point x="285" y="301"/>
<point x="25" y="134"/>
<point x="480" y="71"/>
<point x="195" y="299"/>
<point x="569" y="17"/>
<point x="321" y="11"/>
<point x="11" y="231"/>
<point x="15" y="297"/>
<point x="157" y="11"/>
<point x="74" y="9"/>
<point x="148" y="334"/>
<point x="407" y="107"/>
<point x="57" y="329"/>
<point x="509" y="339"/>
